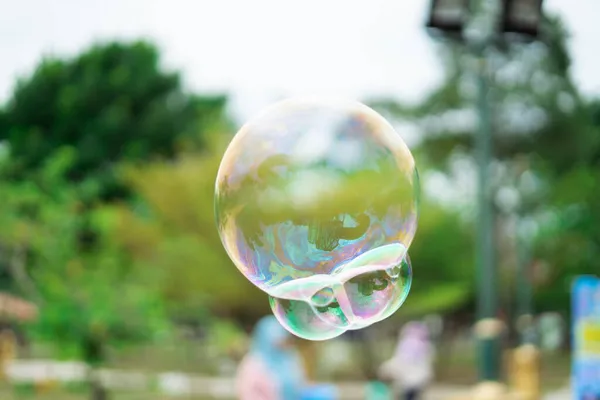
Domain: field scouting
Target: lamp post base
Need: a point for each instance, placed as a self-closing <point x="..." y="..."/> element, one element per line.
<point x="524" y="373"/>
<point x="489" y="390"/>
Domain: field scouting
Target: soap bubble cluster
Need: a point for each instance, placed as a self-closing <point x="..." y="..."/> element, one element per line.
<point x="316" y="204"/>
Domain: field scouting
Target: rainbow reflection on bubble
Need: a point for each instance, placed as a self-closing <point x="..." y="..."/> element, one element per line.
<point x="316" y="204"/>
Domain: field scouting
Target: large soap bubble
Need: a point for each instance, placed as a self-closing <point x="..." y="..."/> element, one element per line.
<point x="316" y="204"/>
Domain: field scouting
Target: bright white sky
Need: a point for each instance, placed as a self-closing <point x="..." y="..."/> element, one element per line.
<point x="261" y="50"/>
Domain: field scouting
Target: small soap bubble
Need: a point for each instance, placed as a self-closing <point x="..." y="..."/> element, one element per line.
<point x="402" y="282"/>
<point x="354" y="310"/>
<point x="323" y="297"/>
<point x="316" y="204"/>
<point x="393" y="272"/>
<point x="308" y="322"/>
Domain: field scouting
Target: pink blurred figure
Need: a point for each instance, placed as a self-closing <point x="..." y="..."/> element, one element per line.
<point x="411" y="368"/>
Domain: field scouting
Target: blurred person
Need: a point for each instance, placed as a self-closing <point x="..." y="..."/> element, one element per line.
<point x="411" y="367"/>
<point x="273" y="369"/>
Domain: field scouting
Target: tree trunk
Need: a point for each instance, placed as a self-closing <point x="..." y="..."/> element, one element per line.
<point x="17" y="265"/>
<point x="7" y="351"/>
<point x="97" y="390"/>
<point x="94" y="353"/>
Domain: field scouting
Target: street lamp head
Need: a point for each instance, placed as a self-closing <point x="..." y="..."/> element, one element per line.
<point x="448" y="16"/>
<point x="522" y="17"/>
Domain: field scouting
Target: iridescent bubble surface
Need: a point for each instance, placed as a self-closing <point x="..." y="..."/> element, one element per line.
<point x="316" y="204"/>
<point x="367" y="295"/>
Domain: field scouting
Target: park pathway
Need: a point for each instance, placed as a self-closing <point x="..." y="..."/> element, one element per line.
<point x="176" y="383"/>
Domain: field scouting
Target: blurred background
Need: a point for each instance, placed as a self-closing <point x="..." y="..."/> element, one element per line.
<point x="114" y="115"/>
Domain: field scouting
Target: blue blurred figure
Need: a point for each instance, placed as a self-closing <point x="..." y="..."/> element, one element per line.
<point x="272" y="370"/>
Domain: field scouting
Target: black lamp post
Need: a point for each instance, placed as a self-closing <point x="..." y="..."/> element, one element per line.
<point x="450" y="18"/>
<point x="522" y="17"/>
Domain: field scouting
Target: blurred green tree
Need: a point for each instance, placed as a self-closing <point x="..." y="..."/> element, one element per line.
<point x="570" y="241"/>
<point x="89" y="300"/>
<point x="172" y="228"/>
<point x="442" y="255"/>
<point x="535" y="102"/>
<point x="543" y="128"/>
<point x="110" y="103"/>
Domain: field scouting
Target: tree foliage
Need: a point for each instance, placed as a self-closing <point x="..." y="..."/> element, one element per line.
<point x="76" y="290"/>
<point x="442" y="255"/>
<point x="543" y="130"/>
<point x="172" y="228"/>
<point x="110" y="103"/>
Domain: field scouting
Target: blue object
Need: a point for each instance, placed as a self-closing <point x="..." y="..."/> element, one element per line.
<point x="586" y="338"/>
<point x="283" y="363"/>
<point x="320" y="392"/>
